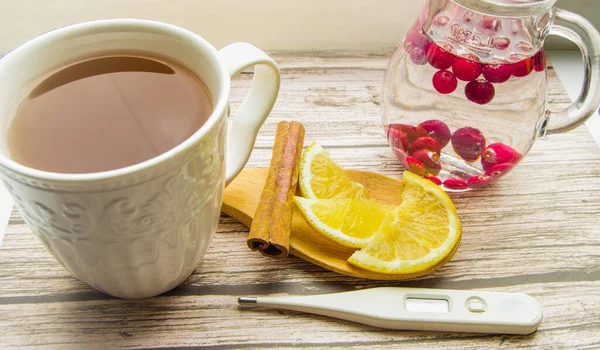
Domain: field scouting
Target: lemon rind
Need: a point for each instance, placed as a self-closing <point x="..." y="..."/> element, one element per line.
<point x="305" y="175"/>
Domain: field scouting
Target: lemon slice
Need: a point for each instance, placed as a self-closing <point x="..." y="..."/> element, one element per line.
<point x="425" y="232"/>
<point x="350" y="222"/>
<point x="321" y="177"/>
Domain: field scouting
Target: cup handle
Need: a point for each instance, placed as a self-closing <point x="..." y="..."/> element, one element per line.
<point x="580" y="31"/>
<point x="256" y="106"/>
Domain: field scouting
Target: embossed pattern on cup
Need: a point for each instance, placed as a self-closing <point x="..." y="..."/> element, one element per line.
<point x="138" y="239"/>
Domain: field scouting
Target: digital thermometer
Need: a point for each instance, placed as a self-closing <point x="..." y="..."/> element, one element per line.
<point x="420" y="309"/>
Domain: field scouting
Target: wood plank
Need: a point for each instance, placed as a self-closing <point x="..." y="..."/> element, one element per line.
<point x="217" y="321"/>
<point x="533" y="231"/>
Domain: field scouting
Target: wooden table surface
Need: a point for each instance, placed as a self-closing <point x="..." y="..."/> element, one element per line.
<point x="535" y="231"/>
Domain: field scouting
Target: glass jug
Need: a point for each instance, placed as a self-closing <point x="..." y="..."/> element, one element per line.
<point x="465" y="94"/>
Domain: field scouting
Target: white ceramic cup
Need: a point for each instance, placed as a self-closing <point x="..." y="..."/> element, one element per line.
<point x="138" y="231"/>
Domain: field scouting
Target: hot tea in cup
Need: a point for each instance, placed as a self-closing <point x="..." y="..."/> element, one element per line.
<point x="107" y="113"/>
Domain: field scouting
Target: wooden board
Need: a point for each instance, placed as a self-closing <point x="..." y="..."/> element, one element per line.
<point x="534" y="231"/>
<point x="241" y="199"/>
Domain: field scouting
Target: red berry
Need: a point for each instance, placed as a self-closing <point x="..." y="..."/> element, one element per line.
<point x="497" y="73"/>
<point x="501" y="42"/>
<point x="438" y="130"/>
<point x="433" y="179"/>
<point x="477" y="181"/>
<point x="522" y="68"/>
<point x="539" y="61"/>
<point x="419" y="131"/>
<point x="429" y="159"/>
<point x="466" y="70"/>
<point x="416" y="38"/>
<point x="414" y="165"/>
<point x="416" y="44"/>
<point x="498" y="153"/>
<point x="438" y="58"/>
<point x="499" y="169"/>
<point x="396" y="138"/>
<point x="480" y="91"/>
<point x="492" y="23"/>
<point x="417" y="56"/>
<point x="444" y="82"/>
<point x="468" y="143"/>
<point x="455" y="184"/>
<point x="428" y="143"/>
<point x="410" y="132"/>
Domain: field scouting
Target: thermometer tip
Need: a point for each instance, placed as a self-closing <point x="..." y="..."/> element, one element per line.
<point x="247" y="300"/>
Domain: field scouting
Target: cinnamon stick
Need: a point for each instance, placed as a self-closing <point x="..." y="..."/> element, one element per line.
<point x="272" y="224"/>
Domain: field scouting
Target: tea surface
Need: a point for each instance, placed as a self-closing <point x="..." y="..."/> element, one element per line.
<point x="107" y="113"/>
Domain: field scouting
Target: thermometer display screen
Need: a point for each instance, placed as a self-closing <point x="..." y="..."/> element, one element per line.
<point x="427" y="305"/>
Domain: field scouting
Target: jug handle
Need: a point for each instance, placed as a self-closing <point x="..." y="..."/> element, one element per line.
<point x="580" y="31"/>
<point x="256" y="106"/>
